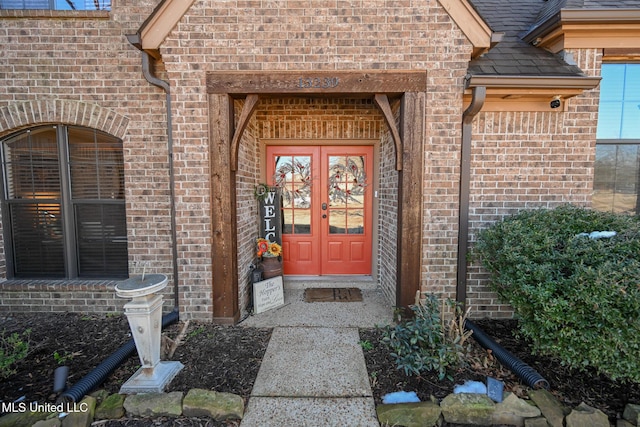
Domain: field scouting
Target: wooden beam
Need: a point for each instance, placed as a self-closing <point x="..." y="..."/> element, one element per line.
<point x="410" y="192"/>
<point x="382" y="101"/>
<point x="250" y="104"/>
<point x="316" y="82"/>
<point x="223" y="212"/>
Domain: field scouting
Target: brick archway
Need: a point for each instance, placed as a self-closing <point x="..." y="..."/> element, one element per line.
<point x="19" y="115"/>
<point x="408" y="137"/>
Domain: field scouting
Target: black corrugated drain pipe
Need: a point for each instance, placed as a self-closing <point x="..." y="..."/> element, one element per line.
<point x="99" y="374"/>
<point x="525" y="372"/>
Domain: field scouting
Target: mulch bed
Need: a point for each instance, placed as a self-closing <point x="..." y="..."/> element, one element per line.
<point x="227" y="359"/>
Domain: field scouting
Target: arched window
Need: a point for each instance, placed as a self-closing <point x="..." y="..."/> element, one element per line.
<point x="63" y="206"/>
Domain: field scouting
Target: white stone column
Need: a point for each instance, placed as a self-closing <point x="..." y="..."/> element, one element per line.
<point x="144" y="313"/>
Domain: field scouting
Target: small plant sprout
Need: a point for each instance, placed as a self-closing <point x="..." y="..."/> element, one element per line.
<point x="366" y="345"/>
<point x="373" y="377"/>
<point x="13" y="348"/>
<point x="61" y="359"/>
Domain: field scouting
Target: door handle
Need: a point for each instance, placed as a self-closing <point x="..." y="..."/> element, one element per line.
<point x="324" y="206"/>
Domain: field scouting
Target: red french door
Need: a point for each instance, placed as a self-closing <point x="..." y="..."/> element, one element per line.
<point x="326" y="207"/>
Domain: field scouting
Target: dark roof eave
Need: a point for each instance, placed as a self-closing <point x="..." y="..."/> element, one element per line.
<point x="533" y="82"/>
<point x="576" y="16"/>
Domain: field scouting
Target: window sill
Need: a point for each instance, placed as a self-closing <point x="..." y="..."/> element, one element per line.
<point x="59" y="284"/>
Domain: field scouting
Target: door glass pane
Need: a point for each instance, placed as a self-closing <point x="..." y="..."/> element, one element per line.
<point x="293" y="177"/>
<point x="355" y="221"/>
<point x="338" y="221"/>
<point x="347" y="183"/>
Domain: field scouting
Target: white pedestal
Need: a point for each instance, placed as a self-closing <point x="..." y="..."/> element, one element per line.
<point x="151" y="380"/>
<point x="144" y="313"/>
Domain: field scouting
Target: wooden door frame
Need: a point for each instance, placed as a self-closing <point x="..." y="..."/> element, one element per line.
<point x="408" y="139"/>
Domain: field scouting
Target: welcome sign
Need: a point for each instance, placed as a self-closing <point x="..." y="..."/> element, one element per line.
<point x="271" y="215"/>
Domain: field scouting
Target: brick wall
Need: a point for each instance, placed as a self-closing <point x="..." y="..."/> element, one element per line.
<point x="83" y="71"/>
<point x="60" y="296"/>
<point x="387" y="250"/>
<point x="316" y="35"/>
<point x="530" y="160"/>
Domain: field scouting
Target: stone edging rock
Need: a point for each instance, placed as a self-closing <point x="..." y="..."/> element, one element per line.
<point x="101" y="405"/>
<point x="542" y="410"/>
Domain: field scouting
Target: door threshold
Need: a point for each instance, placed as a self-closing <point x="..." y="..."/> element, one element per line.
<point x="306" y="282"/>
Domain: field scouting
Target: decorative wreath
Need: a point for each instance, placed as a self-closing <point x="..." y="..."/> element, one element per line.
<point x="260" y="191"/>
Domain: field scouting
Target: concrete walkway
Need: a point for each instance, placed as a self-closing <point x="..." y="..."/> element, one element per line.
<point x="313" y="372"/>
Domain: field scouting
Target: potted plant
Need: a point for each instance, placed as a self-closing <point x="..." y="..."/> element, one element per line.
<point x="270" y="256"/>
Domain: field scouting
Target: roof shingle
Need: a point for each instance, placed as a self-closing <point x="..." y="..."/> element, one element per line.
<point x="513" y="56"/>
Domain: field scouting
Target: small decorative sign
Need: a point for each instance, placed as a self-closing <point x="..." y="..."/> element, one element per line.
<point x="268" y="294"/>
<point x="318" y="82"/>
<point x="271" y="215"/>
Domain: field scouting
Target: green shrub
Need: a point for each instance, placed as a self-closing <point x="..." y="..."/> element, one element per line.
<point x="577" y="297"/>
<point x="13" y="348"/>
<point x="423" y="343"/>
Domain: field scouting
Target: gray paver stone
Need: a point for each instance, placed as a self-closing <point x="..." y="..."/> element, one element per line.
<point x="208" y="403"/>
<point x="624" y="423"/>
<point x="154" y="404"/>
<point x="551" y="408"/>
<point x="422" y="414"/>
<point x="586" y="416"/>
<point x="632" y="413"/>
<point x="468" y="408"/>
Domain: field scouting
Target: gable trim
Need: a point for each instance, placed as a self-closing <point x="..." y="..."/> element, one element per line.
<point x="470" y="23"/>
<point x="577" y="28"/>
<point x="161" y="22"/>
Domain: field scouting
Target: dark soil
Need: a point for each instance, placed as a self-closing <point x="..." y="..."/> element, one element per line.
<point x="570" y="386"/>
<point x="227" y="359"/>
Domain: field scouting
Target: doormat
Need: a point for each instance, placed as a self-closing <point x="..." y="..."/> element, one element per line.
<point x="332" y="295"/>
